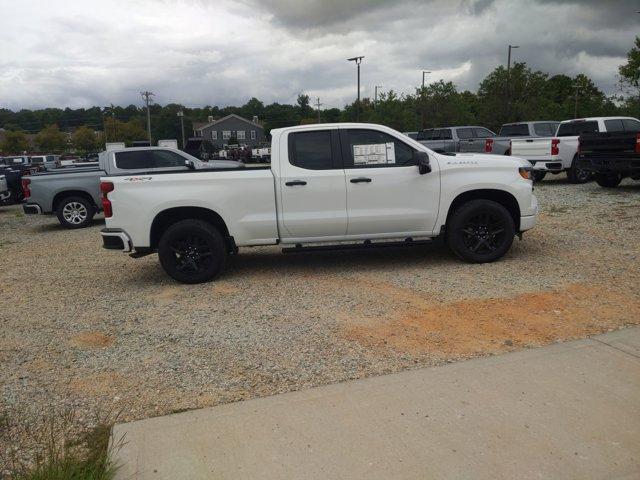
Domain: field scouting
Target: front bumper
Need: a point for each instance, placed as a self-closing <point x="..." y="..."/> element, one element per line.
<point x="116" y="239"/>
<point x="32" y="209"/>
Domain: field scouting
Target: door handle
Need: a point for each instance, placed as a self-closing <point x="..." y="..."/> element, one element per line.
<point x="360" y="180"/>
<point x="295" y="182"/>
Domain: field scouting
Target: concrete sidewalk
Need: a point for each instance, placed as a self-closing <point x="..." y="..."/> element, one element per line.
<point x="567" y="411"/>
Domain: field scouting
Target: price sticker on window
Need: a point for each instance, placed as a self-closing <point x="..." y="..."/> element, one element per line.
<point x="374" y="154"/>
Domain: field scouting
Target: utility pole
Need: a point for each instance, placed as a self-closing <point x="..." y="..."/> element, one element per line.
<point x="147" y="98"/>
<point x="575" y="109"/>
<point x="375" y="102"/>
<point x="358" y="60"/>
<point x="181" y="115"/>
<point x="318" y="108"/>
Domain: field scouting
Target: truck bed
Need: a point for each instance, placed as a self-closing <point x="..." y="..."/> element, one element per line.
<point x="614" y="152"/>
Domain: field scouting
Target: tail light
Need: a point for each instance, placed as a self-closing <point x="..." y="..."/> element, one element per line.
<point x="105" y="188"/>
<point x="555" y="150"/>
<point x="26" y="190"/>
<point x="638" y="142"/>
<point x="488" y="145"/>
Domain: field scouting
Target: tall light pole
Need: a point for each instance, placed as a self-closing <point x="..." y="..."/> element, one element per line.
<point x="181" y="115"/>
<point x="358" y="60"/>
<point x="575" y="108"/>
<point x="375" y="102"/>
<point x="147" y="98"/>
<point x="511" y="47"/>
<point x="424" y="72"/>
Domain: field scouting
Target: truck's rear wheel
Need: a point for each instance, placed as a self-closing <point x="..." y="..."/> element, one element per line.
<point x="577" y="175"/>
<point x="610" y="180"/>
<point x="192" y="251"/>
<point x="480" y="231"/>
<point x="75" y="212"/>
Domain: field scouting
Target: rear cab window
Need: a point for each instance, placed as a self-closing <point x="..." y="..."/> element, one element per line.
<point x="519" y="130"/>
<point x="362" y="148"/>
<point x="314" y="150"/>
<point x="545" y="129"/>
<point x="614" y="125"/>
<point x="574" y="129"/>
<point x="148" y="160"/>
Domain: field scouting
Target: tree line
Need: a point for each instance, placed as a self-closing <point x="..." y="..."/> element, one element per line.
<point x="503" y="96"/>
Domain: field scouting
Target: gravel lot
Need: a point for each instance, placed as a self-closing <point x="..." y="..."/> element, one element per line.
<point x="96" y="330"/>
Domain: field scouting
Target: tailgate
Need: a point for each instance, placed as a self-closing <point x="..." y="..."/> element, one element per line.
<point x="531" y="147"/>
<point x="605" y="143"/>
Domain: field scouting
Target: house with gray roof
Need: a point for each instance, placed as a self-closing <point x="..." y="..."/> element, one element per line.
<point x="220" y="132"/>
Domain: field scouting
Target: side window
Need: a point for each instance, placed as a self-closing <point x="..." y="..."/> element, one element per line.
<point x="166" y="159"/>
<point x="370" y="148"/>
<point x="240" y="135"/>
<point x="631" y="125"/>
<point x="445" y="134"/>
<point x="464" y="133"/>
<point x="613" y="125"/>
<point x="214" y="134"/>
<point x="311" y="150"/>
<point x="482" y="133"/>
<point x="141" y="159"/>
<point x="253" y="134"/>
<point x="545" y="129"/>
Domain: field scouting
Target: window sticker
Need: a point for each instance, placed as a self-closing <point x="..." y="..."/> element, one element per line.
<point x="374" y="154"/>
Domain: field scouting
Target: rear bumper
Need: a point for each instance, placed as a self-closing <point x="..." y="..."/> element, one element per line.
<point x="547" y="165"/>
<point x="32" y="209"/>
<point x="626" y="165"/>
<point x="116" y="239"/>
<point x="528" y="222"/>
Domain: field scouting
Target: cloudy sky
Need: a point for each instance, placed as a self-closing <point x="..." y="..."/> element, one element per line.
<point x="221" y="52"/>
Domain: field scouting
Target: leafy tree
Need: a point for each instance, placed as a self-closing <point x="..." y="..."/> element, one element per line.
<point x="15" y="142"/>
<point x="84" y="140"/>
<point x="630" y="72"/>
<point x="51" y="139"/>
<point x="127" y="132"/>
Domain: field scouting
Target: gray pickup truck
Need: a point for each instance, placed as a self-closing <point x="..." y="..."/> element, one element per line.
<point x="455" y="139"/>
<point x="501" y="144"/>
<point x="74" y="196"/>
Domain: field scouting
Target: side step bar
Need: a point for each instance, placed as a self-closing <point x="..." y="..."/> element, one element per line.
<point x="408" y="242"/>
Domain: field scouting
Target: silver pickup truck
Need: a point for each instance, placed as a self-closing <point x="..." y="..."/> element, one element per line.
<point x="73" y="194"/>
<point x="455" y="139"/>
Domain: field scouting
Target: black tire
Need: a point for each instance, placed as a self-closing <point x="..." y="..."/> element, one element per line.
<point x="14" y="197"/>
<point x="538" y="175"/>
<point x="480" y="231"/>
<point x="75" y="212"/>
<point x="192" y="251"/>
<point x="577" y="175"/>
<point x="611" y="180"/>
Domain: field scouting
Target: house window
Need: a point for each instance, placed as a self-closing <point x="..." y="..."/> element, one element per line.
<point x="214" y="134"/>
<point x="226" y="134"/>
<point x="241" y="135"/>
<point x="253" y="134"/>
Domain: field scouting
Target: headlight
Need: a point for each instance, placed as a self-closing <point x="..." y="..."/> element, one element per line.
<point x="525" y="172"/>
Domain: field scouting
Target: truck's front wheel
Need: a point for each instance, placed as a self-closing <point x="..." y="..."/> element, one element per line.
<point x="192" y="251"/>
<point x="480" y="231"/>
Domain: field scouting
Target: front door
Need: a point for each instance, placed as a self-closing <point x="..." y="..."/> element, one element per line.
<point x="385" y="192"/>
<point x="312" y="186"/>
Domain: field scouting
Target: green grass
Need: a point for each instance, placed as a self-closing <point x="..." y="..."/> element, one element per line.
<point x="56" y="453"/>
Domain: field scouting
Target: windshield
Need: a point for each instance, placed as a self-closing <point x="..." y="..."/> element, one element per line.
<point x="573" y="129"/>
<point x="518" y="130"/>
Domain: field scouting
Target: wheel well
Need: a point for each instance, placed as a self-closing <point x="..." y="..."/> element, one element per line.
<point x="505" y="199"/>
<point x="168" y="217"/>
<point x="71" y="193"/>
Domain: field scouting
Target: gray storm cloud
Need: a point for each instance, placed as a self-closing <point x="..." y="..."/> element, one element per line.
<point x="83" y="53"/>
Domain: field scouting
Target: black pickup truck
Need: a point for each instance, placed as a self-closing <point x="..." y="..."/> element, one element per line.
<point x="611" y="156"/>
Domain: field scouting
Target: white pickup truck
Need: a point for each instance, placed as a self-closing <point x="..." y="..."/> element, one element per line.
<point x="328" y="186"/>
<point x="560" y="153"/>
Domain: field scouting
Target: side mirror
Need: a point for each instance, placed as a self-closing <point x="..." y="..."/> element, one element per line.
<point x="189" y="164"/>
<point x="422" y="159"/>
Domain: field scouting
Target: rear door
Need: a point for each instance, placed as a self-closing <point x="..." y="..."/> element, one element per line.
<point x="312" y="186"/>
<point x="385" y="192"/>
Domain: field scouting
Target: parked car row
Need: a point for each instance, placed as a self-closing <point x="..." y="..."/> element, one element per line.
<point x="550" y="146"/>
